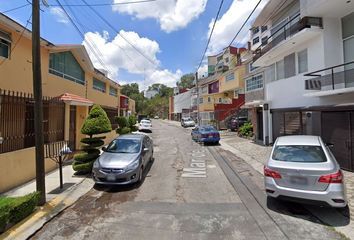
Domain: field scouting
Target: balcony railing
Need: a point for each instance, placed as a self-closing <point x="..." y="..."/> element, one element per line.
<point x="289" y="29"/>
<point x="331" y="78"/>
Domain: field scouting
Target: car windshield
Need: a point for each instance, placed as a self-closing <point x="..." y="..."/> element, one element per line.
<point x="124" y="146"/>
<point x="207" y="129"/>
<point x="299" y="153"/>
<point x="145" y="121"/>
<point x="188" y="119"/>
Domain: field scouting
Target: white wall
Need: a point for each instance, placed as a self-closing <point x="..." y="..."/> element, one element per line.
<point x="182" y="101"/>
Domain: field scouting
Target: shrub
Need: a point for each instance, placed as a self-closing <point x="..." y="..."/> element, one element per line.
<point x="132" y="121"/>
<point x="124" y="130"/>
<point x="96" y="122"/>
<point x="246" y="130"/>
<point x="14" y="209"/>
<point x="122" y="122"/>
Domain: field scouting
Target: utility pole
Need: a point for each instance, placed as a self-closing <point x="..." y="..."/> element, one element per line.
<point x="196" y="83"/>
<point x="38" y="104"/>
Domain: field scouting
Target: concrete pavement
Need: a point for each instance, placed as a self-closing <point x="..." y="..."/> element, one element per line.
<point x="57" y="201"/>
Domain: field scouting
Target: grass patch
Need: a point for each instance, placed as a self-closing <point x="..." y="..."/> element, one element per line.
<point x="14" y="209"/>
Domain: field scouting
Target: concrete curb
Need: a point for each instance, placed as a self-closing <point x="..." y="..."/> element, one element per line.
<point x="30" y="225"/>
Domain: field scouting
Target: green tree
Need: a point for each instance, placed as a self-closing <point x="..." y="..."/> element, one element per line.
<point x="130" y="89"/>
<point x="96" y="122"/>
<point x="186" y="81"/>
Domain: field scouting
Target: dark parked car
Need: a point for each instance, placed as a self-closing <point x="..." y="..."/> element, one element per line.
<point x="236" y="122"/>
<point x="206" y="134"/>
<point x="124" y="160"/>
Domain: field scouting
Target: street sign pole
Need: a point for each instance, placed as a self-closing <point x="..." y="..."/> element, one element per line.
<point x="38" y="104"/>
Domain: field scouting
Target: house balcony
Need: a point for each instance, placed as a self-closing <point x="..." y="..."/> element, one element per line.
<point x="334" y="80"/>
<point x="294" y="33"/>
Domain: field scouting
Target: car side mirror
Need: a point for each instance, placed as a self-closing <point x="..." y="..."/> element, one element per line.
<point x="330" y="145"/>
<point x="146" y="150"/>
<point x="104" y="149"/>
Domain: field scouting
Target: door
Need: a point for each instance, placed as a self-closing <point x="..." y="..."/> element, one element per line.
<point x="260" y="124"/>
<point x="72" y="128"/>
<point x="336" y="129"/>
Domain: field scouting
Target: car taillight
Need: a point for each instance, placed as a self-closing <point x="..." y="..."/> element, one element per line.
<point x="332" y="178"/>
<point x="271" y="173"/>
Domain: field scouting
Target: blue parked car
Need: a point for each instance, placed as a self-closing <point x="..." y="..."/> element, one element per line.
<point x="206" y="134"/>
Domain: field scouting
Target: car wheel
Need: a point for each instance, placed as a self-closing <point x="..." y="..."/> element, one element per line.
<point x="217" y="143"/>
<point x="140" y="178"/>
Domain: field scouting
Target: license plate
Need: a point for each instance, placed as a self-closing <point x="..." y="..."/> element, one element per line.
<point x="298" y="180"/>
<point x="111" y="177"/>
<point x="210" y="136"/>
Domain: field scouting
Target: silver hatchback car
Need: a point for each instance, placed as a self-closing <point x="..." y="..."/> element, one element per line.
<point x="124" y="160"/>
<point x="302" y="168"/>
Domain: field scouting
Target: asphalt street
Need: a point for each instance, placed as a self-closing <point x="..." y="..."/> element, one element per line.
<point x="190" y="191"/>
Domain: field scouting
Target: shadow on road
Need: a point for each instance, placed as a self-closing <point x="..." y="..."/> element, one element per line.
<point x="328" y="216"/>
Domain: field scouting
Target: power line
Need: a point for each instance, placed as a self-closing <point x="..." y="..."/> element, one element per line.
<point x="102" y="4"/>
<point x="211" y="33"/>
<point x="120" y="34"/>
<point x="249" y="16"/>
<point x="81" y="34"/>
<point x="13" y="9"/>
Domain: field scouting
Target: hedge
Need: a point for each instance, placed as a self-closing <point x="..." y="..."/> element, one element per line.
<point x="14" y="209"/>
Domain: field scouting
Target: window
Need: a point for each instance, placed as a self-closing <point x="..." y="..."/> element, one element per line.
<point x="201" y="100"/>
<point x="230" y="77"/>
<point x="113" y="91"/>
<point x="280" y="69"/>
<point x="255" y="82"/>
<point x="209" y="99"/>
<point x="255" y="40"/>
<point x="289" y="66"/>
<point x="99" y="85"/>
<point x="64" y="65"/>
<point x="220" y="100"/>
<point x="299" y="153"/>
<point x="227" y="59"/>
<point x="255" y="30"/>
<point x="270" y="73"/>
<point x="264" y="28"/>
<point x="204" y="89"/>
<point x="5" y="45"/>
<point x="302" y="61"/>
<point x="218" y="59"/>
<point x="264" y="40"/>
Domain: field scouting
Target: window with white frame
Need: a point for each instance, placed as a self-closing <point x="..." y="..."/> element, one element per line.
<point x="251" y="68"/>
<point x="99" y="85"/>
<point x="200" y="100"/>
<point x="5" y="45"/>
<point x="302" y="61"/>
<point x="254" y="83"/>
<point x="255" y="40"/>
<point x="209" y="99"/>
<point x="205" y="89"/>
<point x="230" y="77"/>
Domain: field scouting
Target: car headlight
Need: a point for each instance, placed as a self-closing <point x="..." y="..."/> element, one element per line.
<point x="96" y="164"/>
<point x="134" y="165"/>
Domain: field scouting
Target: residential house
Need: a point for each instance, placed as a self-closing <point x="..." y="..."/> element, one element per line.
<point x="71" y="85"/>
<point x="309" y="71"/>
<point x="221" y="94"/>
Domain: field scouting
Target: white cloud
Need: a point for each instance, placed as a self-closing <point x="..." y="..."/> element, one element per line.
<point x="228" y="25"/>
<point x="203" y="71"/>
<point x="118" y="54"/>
<point x="59" y="14"/>
<point x="171" y="14"/>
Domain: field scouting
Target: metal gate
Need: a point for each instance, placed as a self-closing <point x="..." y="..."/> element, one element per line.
<point x="72" y="128"/>
<point x="337" y="128"/>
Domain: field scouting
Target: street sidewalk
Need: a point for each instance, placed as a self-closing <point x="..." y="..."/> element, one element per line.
<point x="57" y="201"/>
<point x="256" y="155"/>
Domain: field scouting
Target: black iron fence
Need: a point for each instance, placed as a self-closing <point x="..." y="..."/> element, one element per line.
<point x="17" y="120"/>
<point x="336" y="77"/>
<point x="112" y="113"/>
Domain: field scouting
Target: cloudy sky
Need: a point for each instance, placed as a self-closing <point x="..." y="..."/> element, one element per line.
<point x="150" y="42"/>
